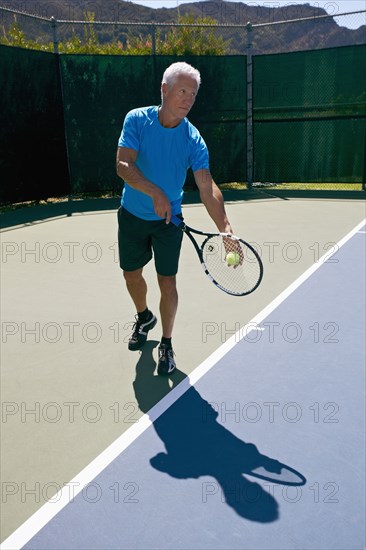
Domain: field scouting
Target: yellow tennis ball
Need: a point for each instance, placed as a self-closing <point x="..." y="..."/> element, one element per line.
<point x="232" y="258"/>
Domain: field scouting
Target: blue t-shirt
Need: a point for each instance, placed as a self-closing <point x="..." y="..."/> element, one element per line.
<point x="164" y="156"/>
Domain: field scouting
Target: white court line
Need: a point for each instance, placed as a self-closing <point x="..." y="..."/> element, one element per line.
<point x="68" y="493"/>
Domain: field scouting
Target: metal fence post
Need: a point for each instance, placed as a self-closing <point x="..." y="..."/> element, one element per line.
<point x="56" y="51"/>
<point x="250" y="149"/>
<point x="54" y="34"/>
<point x="153" y="40"/>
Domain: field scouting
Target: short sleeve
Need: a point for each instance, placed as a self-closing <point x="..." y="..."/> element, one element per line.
<point x="130" y="133"/>
<point x="199" y="157"/>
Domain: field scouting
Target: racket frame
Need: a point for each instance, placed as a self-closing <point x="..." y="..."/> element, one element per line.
<point x="199" y="249"/>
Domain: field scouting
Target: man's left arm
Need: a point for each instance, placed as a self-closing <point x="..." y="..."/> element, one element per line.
<point x="213" y="200"/>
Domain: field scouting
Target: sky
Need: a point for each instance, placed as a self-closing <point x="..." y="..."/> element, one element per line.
<point x="331" y="7"/>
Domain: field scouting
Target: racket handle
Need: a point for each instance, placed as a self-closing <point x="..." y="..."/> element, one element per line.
<point x="177" y="221"/>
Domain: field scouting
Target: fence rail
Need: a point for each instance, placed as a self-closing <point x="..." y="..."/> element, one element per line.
<point x="156" y="24"/>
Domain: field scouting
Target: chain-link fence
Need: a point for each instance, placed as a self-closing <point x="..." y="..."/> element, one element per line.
<point x="223" y="27"/>
<point x="269" y="118"/>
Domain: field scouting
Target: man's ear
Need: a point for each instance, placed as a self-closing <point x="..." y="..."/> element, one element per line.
<point x="164" y="88"/>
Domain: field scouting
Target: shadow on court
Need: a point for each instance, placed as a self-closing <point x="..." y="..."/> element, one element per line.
<point x="198" y="445"/>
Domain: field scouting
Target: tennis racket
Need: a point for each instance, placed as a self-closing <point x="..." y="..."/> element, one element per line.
<point x="230" y="263"/>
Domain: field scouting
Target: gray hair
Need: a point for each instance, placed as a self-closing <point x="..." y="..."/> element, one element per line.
<point x="181" y="68"/>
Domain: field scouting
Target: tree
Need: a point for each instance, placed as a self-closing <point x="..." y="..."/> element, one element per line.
<point x="192" y="40"/>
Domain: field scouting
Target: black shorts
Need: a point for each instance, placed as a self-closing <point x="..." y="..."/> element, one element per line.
<point x="139" y="240"/>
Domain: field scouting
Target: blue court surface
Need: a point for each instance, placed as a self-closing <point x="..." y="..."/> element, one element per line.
<point x="262" y="447"/>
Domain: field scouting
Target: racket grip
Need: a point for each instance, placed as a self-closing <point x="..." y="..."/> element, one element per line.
<point x="177" y="221"/>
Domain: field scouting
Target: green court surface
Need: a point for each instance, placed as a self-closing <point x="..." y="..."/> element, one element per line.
<point x="65" y="314"/>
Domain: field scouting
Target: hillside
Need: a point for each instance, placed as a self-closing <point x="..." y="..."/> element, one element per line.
<point x="279" y="38"/>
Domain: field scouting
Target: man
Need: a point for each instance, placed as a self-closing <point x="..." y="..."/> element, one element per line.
<point x="156" y="147"/>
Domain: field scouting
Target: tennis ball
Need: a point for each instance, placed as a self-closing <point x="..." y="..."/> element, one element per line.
<point x="232" y="258"/>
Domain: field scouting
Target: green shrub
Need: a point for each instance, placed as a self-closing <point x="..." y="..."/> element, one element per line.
<point x="186" y="40"/>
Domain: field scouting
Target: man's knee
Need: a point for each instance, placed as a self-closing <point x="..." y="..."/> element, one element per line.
<point x="132" y="276"/>
<point x="167" y="283"/>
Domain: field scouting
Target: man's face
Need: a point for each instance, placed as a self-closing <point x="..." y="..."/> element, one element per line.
<point x="179" y="98"/>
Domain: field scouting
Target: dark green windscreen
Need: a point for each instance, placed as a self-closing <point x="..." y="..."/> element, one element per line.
<point x="32" y="142"/>
<point x="98" y="91"/>
<point x="309" y="116"/>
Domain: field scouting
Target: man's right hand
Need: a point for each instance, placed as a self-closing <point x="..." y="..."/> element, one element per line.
<point x="162" y="205"/>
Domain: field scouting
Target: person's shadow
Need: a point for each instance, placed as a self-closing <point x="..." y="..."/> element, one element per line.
<point x="198" y="445"/>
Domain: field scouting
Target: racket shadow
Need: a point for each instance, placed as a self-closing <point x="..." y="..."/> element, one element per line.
<point x="197" y="445"/>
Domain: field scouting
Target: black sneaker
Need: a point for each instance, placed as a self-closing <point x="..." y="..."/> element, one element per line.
<point x="140" y="331"/>
<point x="166" y="364"/>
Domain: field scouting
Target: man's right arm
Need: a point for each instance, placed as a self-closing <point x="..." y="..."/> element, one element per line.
<point x="128" y="171"/>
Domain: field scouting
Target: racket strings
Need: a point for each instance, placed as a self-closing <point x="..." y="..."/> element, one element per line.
<point x="245" y="272"/>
